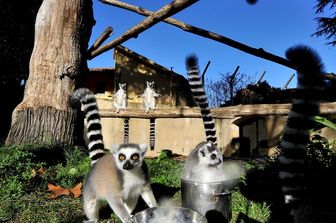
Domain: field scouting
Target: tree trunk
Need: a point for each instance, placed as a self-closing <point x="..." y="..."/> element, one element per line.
<point x="58" y="61"/>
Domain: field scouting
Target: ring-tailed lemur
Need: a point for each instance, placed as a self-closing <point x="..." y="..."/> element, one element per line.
<point x="149" y="95"/>
<point x="205" y="158"/>
<point x="296" y="136"/>
<point x="126" y="130"/>
<point x="119" y="177"/>
<point x="197" y="89"/>
<point x="152" y="133"/>
<point x="120" y="98"/>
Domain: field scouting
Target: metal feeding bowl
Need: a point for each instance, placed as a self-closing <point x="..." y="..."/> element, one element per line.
<point x="213" y="200"/>
<point x="169" y="215"/>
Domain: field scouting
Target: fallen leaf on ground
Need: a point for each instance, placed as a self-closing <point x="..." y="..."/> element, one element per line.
<point x="41" y="171"/>
<point x="76" y="190"/>
<point x="57" y="191"/>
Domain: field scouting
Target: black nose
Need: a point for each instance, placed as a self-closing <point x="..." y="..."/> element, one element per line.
<point x="128" y="166"/>
<point x="213" y="156"/>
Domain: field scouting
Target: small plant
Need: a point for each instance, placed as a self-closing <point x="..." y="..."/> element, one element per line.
<point x="73" y="171"/>
<point x="164" y="170"/>
<point x="16" y="170"/>
<point x="258" y="211"/>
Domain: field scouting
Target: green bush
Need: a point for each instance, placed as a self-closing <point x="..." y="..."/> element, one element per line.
<point x="164" y="170"/>
<point x="16" y="171"/>
<point x="73" y="171"/>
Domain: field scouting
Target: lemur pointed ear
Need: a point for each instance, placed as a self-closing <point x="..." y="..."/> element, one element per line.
<point x="201" y="151"/>
<point x="143" y="147"/>
<point x="114" y="148"/>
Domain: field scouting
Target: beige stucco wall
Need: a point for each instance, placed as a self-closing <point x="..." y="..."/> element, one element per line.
<point x="181" y="129"/>
<point x="180" y="135"/>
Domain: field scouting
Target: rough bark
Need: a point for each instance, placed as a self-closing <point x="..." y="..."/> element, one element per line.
<point x="62" y="32"/>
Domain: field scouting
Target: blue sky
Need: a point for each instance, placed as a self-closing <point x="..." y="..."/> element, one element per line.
<point x="271" y="25"/>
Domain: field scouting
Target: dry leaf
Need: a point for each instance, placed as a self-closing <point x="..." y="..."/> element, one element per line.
<point x="57" y="191"/>
<point x="33" y="173"/>
<point x="41" y="171"/>
<point x="76" y="190"/>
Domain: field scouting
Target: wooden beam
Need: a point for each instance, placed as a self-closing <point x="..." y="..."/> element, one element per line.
<point x="289" y="80"/>
<point x="219" y="113"/>
<point x="261" y="77"/>
<point x="166" y="11"/>
<point x="259" y="52"/>
<point x="204" y="71"/>
<point x="106" y="34"/>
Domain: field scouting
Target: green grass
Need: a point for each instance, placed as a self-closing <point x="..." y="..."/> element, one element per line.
<point x="24" y="195"/>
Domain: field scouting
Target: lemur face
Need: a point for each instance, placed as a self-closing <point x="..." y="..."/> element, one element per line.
<point x="150" y="84"/>
<point x="129" y="156"/>
<point x="122" y="86"/>
<point x="208" y="154"/>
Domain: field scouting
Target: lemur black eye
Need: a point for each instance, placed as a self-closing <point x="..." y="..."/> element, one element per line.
<point x="213" y="156"/>
<point x="135" y="156"/>
<point x="122" y="157"/>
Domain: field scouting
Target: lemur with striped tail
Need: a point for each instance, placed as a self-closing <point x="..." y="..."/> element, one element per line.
<point x="296" y="137"/>
<point x="126" y="130"/>
<point x="120" y="98"/>
<point x="206" y="156"/>
<point x="152" y="133"/>
<point x="119" y="176"/>
<point x="149" y="97"/>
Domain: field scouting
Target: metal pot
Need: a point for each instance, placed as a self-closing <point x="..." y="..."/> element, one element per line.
<point x="176" y="215"/>
<point x="213" y="200"/>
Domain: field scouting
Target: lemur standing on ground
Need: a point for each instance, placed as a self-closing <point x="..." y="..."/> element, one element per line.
<point x="119" y="177"/>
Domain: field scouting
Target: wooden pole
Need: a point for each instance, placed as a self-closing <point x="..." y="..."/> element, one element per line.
<point x="261" y="77"/>
<point x="289" y="80"/>
<point x="232" y="83"/>
<point x="166" y="11"/>
<point x="204" y="71"/>
<point x="106" y="34"/>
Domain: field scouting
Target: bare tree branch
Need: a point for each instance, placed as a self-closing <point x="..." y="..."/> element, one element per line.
<point x="205" y="33"/>
<point x="101" y="39"/>
<point x="154" y="18"/>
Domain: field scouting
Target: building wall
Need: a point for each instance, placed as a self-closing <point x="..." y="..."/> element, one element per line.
<point x="101" y="82"/>
<point x="135" y="74"/>
<point x="180" y="135"/>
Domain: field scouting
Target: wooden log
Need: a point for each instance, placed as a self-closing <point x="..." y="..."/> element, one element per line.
<point x="261" y="77"/>
<point x="166" y="11"/>
<point x="204" y="71"/>
<point x="289" y="80"/>
<point x="259" y="52"/>
<point x="106" y="34"/>
<point x="219" y="113"/>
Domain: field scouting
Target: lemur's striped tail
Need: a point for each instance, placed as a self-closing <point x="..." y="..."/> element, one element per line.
<point x="126" y="130"/>
<point x="94" y="131"/>
<point x="300" y="120"/>
<point x="152" y="133"/>
<point x="197" y="89"/>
